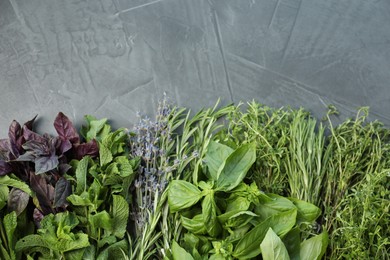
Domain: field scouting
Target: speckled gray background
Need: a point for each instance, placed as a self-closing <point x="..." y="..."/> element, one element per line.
<point x="111" y="58"/>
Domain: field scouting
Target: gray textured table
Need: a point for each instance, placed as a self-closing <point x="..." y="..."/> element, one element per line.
<point x="111" y="58"/>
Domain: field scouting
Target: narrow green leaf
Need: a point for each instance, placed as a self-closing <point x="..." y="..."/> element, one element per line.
<point x="179" y="253"/>
<point x="209" y="214"/>
<point x="215" y="156"/>
<point x="235" y="167"/>
<point x="81" y="174"/>
<point x="314" y="248"/>
<point x="104" y="154"/>
<point x="249" y="245"/>
<point x="4" y="254"/>
<point x="4" y="191"/>
<point x="120" y="215"/>
<point x="6" y="180"/>
<point x="10" y="223"/>
<point x="272" y="247"/>
<point x="182" y="194"/>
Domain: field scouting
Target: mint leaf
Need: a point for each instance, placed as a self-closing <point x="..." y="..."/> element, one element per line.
<point x="120" y="215"/>
<point x="6" y="180"/>
<point x="81" y="174"/>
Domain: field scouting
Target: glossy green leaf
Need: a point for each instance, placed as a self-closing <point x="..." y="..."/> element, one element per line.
<point x="277" y="204"/>
<point x="314" y="248"/>
<point x="215" y="156"/>
<point x="292" y="241"/>
<point x="180" y="253"/>
<point x="272" y="247"/>
<point x="307" y="212"/>
<point x="235" y="167"/>
<point x="194" y="225"/>
<point x="182" y="194"/>
<point x="249" y="245"/>
<point x="209" y="213"/>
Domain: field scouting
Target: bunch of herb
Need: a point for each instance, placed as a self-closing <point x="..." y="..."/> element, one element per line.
<point x="306" y="159"/>
<point x="101" y="191"/>
<point x="153" y="142"/>
<point x="195" y="133"/>
<point x="41" y="161"/>
<point x="356" y="192"/>
<point x="226" y="218"/>
<point x="268" y="128"/>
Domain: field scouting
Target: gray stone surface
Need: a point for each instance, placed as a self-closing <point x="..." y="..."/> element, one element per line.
<point x="112" y="58"/>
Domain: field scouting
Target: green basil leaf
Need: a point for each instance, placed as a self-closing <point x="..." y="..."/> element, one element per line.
<point x="315" y="247"/>
<point x="235" y="167"/>
<point x="209" y="213"/>
<point x="120" y="215"/>
<point x="292" y="241"/>
<point x="307" y="212"/>
<point x="249" y="245"/>
<point x="272" y="247"/>
<point x="277" y="204"/>
<point x="179" y="253"/>
<point x="182" y="194"/>
<point x="215" y="156"/>
<point x="194" y="225"/>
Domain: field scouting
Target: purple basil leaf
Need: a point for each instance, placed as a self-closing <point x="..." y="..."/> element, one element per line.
<point x="62" y="191"/>
<point x="63" y="145"/>
<point x="64" y="168"/>
<point x="43" y="191"/>
<point x="29" y="124"/>
<point x="45" y="163"/>
<point x="5" y="168"/>
<point x="4" y="146"/>
<point x="26" y="157"/>
<point x="31" y="135"/>
<point x="37" y="216"/>
<point x="17" y="200"/>
<point x="91" y="148"/>
<point x="65" y="129"/>
<point x="14" y="134"/>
